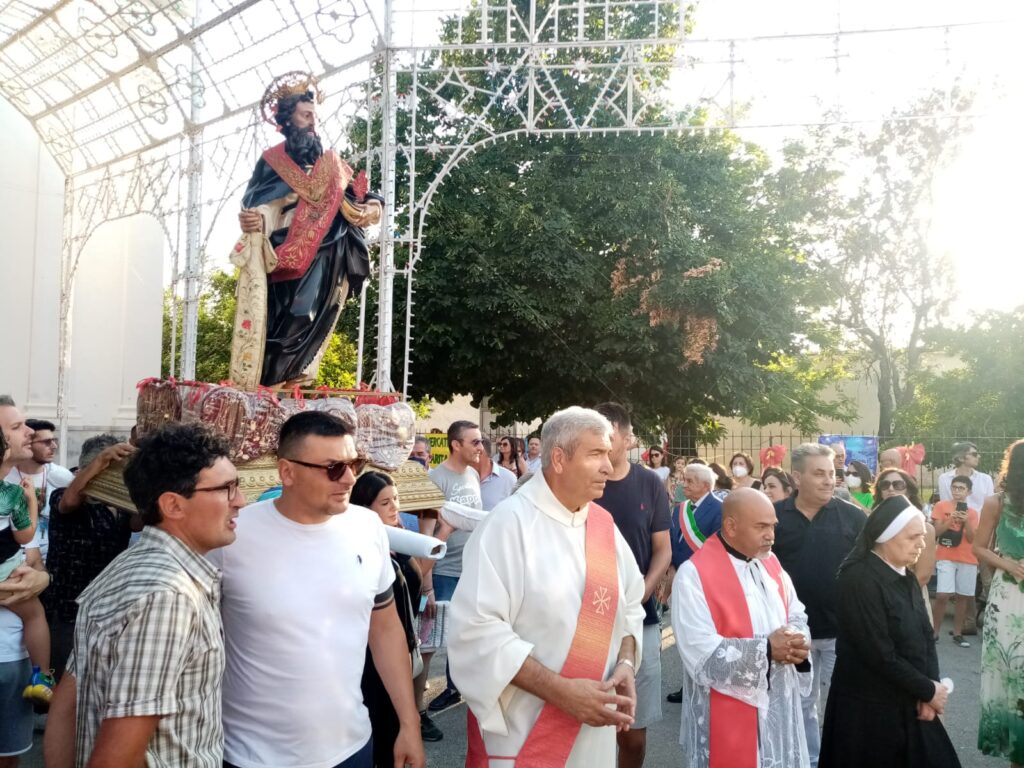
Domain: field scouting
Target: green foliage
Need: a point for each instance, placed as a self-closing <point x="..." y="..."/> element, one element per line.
<point x="873" y="191"/>
<point x="981" y="400"/>
<point x="213" y="331"/>
<point x="665" y="272"/>
<point x="338" y="366"/>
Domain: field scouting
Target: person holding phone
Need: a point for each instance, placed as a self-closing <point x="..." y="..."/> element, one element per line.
<point x="956" y="567"/>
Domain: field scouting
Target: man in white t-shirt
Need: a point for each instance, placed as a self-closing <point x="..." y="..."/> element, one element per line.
<point x="306" y="586"/>
<point x="965" y="464"/>
<point x="46" y="475"/>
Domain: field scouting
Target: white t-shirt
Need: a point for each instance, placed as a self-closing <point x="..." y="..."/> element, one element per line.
<point x="981" y="488"/>
<point x="12" y="647"/>
<point x="296" y="607"/>
<point x="661" y="472"/>
<point x="55" y="476"/>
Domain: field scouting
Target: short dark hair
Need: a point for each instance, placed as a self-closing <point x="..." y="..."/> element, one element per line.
<point x="309" y="423"/>
<point x="616" y="413"/>
<point x="95" y="445"/>
<point x="962" y="479"/>
<point x="8" y="400"/>
<point x="746" y="460"/>
<point x="169" y="460"/>
<point x="3" y="445"/>
<point x="456" y="428"/>
<point x="36" y="424"/>
<point x="485" y="443"/>
<point x="368" y="488"/>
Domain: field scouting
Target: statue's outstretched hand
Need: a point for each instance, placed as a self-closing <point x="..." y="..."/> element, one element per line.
<point x="250" y="220"/>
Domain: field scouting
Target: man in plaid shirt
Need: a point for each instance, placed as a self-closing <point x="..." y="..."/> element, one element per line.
<point x="143" y="685"/>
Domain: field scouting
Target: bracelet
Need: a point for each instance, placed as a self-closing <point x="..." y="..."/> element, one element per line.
<point x="628" y="663"/>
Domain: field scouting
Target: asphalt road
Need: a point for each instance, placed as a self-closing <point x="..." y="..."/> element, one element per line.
<point x="961" y="664"/>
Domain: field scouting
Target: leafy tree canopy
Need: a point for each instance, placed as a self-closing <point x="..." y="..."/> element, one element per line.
<point x="981" y="399"/>
<point x="663" y="271"/>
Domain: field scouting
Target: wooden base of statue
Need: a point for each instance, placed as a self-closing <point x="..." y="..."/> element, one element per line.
<point x="415" y="488"/>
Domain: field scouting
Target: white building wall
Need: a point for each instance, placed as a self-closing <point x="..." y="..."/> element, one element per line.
<point x="117" y="303"/>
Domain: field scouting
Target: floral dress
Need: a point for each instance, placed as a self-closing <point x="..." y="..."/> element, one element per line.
<point x="1002" y="652"/>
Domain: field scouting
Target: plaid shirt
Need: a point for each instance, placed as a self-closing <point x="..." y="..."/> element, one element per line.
<point x="149" y="641"/>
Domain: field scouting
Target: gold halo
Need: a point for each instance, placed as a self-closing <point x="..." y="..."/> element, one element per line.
<point x="283" y="86"/>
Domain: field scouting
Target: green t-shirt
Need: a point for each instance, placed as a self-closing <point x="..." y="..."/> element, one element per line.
<point x="14" y="506"/>
<point x="867" y="499"/>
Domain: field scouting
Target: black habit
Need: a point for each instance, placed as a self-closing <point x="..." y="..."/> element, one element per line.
<point x="885" y="664"/>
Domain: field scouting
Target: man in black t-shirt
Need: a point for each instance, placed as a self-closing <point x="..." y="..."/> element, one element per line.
<point x="638" y="502"/>
<point x="816" y="532"/>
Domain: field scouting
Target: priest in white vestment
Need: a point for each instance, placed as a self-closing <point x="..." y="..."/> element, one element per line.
<point x="736" y="671"/>
<point x="531" y="605"/>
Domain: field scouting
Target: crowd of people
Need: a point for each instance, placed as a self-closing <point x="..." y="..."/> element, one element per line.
<point x="207" y="629"/>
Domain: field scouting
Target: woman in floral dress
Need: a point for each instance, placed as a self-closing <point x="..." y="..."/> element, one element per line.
<point x="1001" y="732"/>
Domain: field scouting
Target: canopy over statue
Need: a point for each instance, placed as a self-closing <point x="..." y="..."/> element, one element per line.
<point x="303" y="245"/>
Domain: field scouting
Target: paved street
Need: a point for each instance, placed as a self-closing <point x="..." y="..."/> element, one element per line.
<point x="961" y="664"/>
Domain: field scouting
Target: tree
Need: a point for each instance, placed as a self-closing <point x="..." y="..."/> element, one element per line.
<point x="890" y="288"/>
<point x="663" y="271"/>
<point x="981" y="399"/>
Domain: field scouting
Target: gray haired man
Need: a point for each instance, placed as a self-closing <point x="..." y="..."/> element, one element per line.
<point x="815" y="533"/>
<point x="547" y="621"/>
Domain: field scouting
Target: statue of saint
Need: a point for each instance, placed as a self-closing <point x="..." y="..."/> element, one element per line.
<point x="303" y="248"/>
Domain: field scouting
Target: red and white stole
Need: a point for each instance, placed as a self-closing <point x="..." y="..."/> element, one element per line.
<point x="733" y="722"/>
<point x="553" y="736"/>
<point x="320" y="194"/>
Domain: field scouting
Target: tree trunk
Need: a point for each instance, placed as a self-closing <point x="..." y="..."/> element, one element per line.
<point x="886" y="404"/>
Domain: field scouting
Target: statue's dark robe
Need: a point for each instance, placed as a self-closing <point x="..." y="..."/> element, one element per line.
<point x="301" y="313"/>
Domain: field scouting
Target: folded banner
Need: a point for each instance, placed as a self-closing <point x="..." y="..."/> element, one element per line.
<point x="415" y="544"/>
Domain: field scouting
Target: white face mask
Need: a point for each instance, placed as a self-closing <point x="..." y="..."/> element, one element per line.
<point x="853" y="481"/>
<point x="739" y="470"/>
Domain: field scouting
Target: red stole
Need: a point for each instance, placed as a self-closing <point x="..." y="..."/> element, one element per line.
<point x="553" y="736"/>
<point x="320" y="195"/>
<point x="733" y="722"/>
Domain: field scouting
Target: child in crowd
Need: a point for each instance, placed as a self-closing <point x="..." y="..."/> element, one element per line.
<point x="19" y="514"/>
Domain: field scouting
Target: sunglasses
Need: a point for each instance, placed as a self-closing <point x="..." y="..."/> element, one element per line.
<point x="477" y="442"/>
<point x="896" y="485"/>
<point x="231" y="487"/>
<point x="336" y="469"/>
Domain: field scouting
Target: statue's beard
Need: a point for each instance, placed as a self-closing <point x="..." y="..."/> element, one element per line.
<point x="302" y="145"/>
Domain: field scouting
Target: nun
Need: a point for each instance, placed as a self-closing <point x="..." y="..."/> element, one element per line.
<point x="884" y="705"/>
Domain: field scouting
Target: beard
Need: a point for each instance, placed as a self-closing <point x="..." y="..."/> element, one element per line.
<point x="303" y="146"/>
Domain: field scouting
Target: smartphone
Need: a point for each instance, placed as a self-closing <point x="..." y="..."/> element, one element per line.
<point x="961" y="506"/>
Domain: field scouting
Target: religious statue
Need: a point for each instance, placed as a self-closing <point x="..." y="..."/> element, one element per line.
<point x="303" y="247"/>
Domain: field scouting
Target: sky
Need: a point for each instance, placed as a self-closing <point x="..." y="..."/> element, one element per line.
<point x="976" y="209"/>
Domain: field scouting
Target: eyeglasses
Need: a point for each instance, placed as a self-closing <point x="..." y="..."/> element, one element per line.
<point x="336" y="469"/>
<point x="51" y="442"/>
<point x="231" y="487"/>
<point x="896" y="485"/>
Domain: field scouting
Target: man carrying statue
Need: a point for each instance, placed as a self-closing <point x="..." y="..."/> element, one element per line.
<point x="303" y="248"/>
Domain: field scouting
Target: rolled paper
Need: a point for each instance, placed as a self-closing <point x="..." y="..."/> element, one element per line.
<point x="415" y="544"/>
<point x="461" y="517"/>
